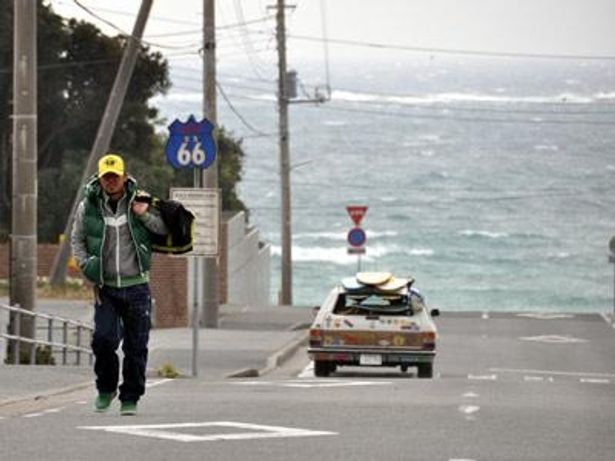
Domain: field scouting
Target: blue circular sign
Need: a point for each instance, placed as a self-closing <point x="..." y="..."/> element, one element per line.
<point x="356" y="237"/>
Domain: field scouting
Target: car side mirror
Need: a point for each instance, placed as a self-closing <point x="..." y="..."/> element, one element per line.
<point x="435" y="312"/>
<point x="315" y="310"/>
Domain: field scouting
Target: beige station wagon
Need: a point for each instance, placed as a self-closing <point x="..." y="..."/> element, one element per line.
<point x="373" y="319"/>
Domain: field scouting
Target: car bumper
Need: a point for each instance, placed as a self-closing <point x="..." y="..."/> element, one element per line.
<point x="343" y="356"/>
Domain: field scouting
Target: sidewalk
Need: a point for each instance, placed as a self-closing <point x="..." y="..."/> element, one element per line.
<point x="250" y="341"/>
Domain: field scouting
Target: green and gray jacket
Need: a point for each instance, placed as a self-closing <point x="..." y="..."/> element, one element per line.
<point x="114" y="248"/>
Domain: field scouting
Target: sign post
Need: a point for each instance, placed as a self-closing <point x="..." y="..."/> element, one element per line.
<point x="356" y="236"/>
<point x="192" y="145"/>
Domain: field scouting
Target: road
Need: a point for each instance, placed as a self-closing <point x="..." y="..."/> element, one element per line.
<point x="507" y="387"/>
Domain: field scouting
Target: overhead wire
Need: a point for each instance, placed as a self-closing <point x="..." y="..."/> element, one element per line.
<point x="451" y="51"/>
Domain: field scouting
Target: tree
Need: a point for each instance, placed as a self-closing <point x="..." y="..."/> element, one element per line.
<point x="77" y="67"/>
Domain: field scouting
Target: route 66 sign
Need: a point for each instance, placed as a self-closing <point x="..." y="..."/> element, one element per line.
<point x="191" y="144"/>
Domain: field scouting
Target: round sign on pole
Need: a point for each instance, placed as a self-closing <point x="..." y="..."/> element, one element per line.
<point x="356" y="237"/>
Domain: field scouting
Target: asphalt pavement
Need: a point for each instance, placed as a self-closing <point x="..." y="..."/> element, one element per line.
<point x="530" y="386"/>
<point x="249" y="342"/>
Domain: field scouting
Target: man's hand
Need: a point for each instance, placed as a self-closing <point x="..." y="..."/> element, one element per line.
<point x="140" y="208"/>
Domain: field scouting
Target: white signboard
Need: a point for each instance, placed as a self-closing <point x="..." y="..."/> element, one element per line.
<point x="205" y="205"/>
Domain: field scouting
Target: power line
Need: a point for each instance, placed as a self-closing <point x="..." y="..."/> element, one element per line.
<point x="469" y="119"/>
<point x="236" y="112"/>
<point x="452" y="51"/>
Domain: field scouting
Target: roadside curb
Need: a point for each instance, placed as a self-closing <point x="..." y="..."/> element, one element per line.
<point x="46" y="394"/>
<point x="274" y="360"/>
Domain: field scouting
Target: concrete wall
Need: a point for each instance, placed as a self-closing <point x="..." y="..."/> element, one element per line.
<point x="248" y="264"/>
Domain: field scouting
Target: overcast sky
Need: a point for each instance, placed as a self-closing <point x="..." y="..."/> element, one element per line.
<point x="571" y="27"/>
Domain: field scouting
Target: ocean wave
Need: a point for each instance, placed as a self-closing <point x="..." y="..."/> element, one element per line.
<point x="480" y="233"/>
<point x="351" y="96"/>
<point x="337" y="255"/>
<point x="547" y="147"/>
<point x="342" y="235"/>
<point x="419" y="252"/>
<point x="335" y="123"/>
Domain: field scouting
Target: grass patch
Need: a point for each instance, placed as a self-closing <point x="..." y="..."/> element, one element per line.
<point x="74" y="288"/>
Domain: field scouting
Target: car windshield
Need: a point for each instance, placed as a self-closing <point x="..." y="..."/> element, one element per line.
<point x="373" y="304"/>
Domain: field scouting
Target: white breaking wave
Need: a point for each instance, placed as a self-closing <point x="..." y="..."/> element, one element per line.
<point x="337" y="255"/>
<point x="351" y="96"/>
<point x="343" y="235"/>
<point x="419" y="252"/>
<point x="547" y="147"/>
<point x="479" y="233"/>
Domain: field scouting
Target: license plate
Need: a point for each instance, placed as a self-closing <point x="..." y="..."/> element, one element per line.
<point x="370" y="359"/>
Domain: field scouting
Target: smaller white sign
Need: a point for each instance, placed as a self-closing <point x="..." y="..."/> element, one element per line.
<point x="205" y="205"/>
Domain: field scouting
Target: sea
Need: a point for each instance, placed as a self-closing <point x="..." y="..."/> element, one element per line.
<point x="489" y="181"/>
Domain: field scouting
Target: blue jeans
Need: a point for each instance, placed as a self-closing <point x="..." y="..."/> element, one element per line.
<point x="121" y="314"/>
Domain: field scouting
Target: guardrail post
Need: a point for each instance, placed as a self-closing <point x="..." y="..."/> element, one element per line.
<point x="50" y="329"/>
<point x="78" y="359"/>
<point x="64" y="341"/>
<point x="17" y="348"/>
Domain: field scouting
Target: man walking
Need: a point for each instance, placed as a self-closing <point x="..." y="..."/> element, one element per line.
<point x="111" y="241"/>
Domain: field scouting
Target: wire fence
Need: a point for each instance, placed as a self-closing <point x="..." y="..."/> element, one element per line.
<point x="55" y="338"/>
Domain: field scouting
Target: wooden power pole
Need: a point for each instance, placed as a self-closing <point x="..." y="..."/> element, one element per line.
<point x="23" y="260"/>
<point x="209" y="317"/>
<point x="286" y="293"/>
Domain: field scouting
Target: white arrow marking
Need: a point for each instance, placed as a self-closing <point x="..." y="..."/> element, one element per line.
<point x="254" y="431"/>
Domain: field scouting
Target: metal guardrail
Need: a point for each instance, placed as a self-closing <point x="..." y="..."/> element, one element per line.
<point x="63" y="348"/>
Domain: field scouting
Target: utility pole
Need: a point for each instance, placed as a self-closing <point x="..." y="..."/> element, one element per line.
<point x="23" y="260"/>
<point x="210" y="175"/>
<point x="286" y="294"/>
<point x="105" y="132"/>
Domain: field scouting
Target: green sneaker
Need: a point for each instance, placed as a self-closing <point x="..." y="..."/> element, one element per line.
<point x="103" y="401"/>
<point x="128" y="408"/>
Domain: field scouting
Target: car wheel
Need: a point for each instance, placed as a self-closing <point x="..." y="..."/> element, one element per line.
<point x="321" y="368"/>
<point x="425" y="370"/>
<point x="404" y="368"/>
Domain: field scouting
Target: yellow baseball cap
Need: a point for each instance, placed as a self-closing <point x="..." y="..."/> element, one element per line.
<point x="110" y="163"/>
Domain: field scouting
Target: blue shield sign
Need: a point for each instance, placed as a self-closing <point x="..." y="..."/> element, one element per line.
<point x="191" y="144"/>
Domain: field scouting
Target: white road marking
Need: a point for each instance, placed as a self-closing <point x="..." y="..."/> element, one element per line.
<point x="483" y="377"/>
<point x="485" y="316"/>
<point x="552" y="372"/>
<point x="54" y="410"/>
<point x="157" y="382"/>
<point x="469" y="409"/>
<point x="461" y="459"/>
<point x="470" y="395"/>
<point x="608" y="318"/>
<point x="81" y="402"/>
<point x="534" y="379"/>
<point x="553" y="339"/>
<point x="308" y="371"/>
<point x="320" y="383"/>
<point x="595" y="381"/>
<point x="42" y="413"/>
<point x="545" y="316"/>
<point x="254" y="431"/>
